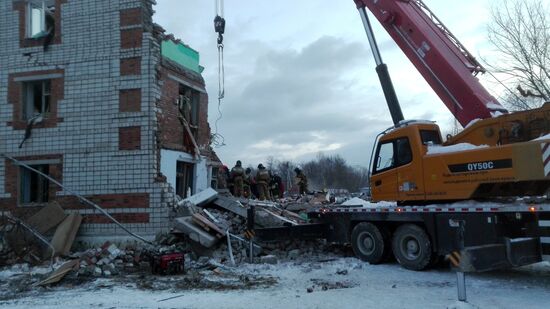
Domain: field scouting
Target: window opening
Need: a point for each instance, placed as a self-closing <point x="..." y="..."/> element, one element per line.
<point x="189" y="107"/>
<point x="430" y="137"/>
<point x="214" y="178"/>
<point x="385" y="156"/>
<point x="40" y="18"/>
<point x="184" y="179"/>
<point x="404" y="152"/>
<point x="36" y="98"/>
<point x="34" y="187"/>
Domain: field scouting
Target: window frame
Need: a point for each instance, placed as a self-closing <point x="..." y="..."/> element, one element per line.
<point x="214" y="170"/>
<point x="43" y="185"/>
<point x="187" y="175"/>
<point x="395" y="163"/>
<point x="28" y="101"/>
<point x="44" y="7"/>
<point x="425" y="143"/>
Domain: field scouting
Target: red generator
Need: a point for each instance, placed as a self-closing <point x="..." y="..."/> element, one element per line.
<point x="168" y="264"/>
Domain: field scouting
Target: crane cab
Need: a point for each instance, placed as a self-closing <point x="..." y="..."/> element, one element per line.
<point x="397" y="165"/>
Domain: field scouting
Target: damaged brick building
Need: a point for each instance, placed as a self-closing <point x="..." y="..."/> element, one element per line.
<point x="94" y="94"/>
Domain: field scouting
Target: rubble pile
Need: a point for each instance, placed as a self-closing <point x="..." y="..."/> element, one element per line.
<point x="108" y="260"/>
<point x="211" y="236"/>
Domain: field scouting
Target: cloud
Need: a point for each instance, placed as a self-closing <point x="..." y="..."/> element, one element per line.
<point x="300" y="77"/>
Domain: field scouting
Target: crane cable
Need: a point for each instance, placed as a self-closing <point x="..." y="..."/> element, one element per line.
<point x="219" y="27"/>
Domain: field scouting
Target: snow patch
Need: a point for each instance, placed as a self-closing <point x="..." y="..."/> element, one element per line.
<point x="364" y="204"/>
<point x="494" y="106"/>
<point x="545" y="137"/>
<point x="438" y="149"/>
<point x="471" y="123"/>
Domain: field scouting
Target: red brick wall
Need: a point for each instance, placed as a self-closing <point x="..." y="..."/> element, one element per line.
<point x="131" y="38"/>
<point x="129" y="138"/>
<point x="133" y="217"/>
<point x="172" y="133"/>
<point x="130" y="17"/>
<point x="130" y="66"/>
<point x="130" y="100"/>
<point x="16" y="99"/>
<point x="106" y="201"/>
<point x="204" y="128"/>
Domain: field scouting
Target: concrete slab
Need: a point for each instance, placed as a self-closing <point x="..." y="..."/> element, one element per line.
<point x="231" y="205"/>
<point x="196" y="233"/>
<point x="202" y="198"/>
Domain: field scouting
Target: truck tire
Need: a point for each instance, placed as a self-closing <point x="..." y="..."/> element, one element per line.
<point x="412" y="247"/>
<point x="368" y="243"/>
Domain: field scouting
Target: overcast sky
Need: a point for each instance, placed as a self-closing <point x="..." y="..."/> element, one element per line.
<point x="300" y="77"/>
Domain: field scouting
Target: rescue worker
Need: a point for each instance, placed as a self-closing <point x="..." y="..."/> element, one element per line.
<point x="301" y="180"/>
<point x="249" y="187"/>
<point x="237" y="174"/>
<point x="262" y="181"/>
<point x="276" y="186"/>
<point x="222" y="177"/>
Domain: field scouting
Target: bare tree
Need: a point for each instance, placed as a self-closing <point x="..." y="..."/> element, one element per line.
<point x="520" y="32"/>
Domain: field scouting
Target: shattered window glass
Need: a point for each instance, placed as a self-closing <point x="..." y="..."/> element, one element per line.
<point x="36" y="98"/>
<point x="40" y="18"/>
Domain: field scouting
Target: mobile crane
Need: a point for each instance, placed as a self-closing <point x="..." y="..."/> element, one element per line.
<point x="434" y="183"/>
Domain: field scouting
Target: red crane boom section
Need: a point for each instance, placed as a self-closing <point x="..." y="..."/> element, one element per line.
<point x="436" y="53"/>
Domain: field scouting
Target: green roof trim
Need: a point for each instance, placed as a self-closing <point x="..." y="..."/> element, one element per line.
<point x="182" y="55"/>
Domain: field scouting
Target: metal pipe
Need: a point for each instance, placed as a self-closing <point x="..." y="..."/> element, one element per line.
<point x="370" y="35"/>
<point x="382" y="71"/>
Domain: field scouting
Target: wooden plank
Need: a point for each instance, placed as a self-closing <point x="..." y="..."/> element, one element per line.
<point x="207" y="222"/>
<point x="65" y="234"/>
<point x="47" y="218"/>
<point x="59" y="273"/>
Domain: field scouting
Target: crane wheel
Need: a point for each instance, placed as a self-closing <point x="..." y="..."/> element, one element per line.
<point x="368" y="243"/>
<point x="412" y="247"/>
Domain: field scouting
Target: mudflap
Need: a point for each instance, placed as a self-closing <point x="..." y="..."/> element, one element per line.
<point x="511" y="253"/>
<point x="296" y="232"/>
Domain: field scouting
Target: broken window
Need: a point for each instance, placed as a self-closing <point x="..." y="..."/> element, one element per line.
<point x="189" y="107"/>
<point x="40" y="18"/>
<point x="184" y="179"/>
<point x="36" y="98"/>
<point x="34" y="187"/>
<point x="214" y="177"/>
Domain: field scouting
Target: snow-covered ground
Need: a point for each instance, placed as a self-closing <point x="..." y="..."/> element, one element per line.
<point x="347" y="282"/>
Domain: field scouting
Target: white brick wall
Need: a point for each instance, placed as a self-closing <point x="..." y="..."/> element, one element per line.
<point x="88" y="135"/>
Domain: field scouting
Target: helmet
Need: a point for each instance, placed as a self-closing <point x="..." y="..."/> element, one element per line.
<point x="261" y="166"/>
<point x="297" y="170"/>
<point x="248" y="170"/>
<point x="239" y="163"/>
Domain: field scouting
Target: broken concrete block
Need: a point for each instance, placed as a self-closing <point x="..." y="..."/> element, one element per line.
<point x="97" y="272"/>
<point x="195" y="233"/>
<point x="202" y="198"/>
<point x="231" y="205"/>
<point x="294" y="254"/>
<point x="47" y="218"/>
<point x="269" y="259"/>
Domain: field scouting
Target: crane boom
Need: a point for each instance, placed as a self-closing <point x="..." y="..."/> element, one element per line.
<point x="442" y="60"/>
